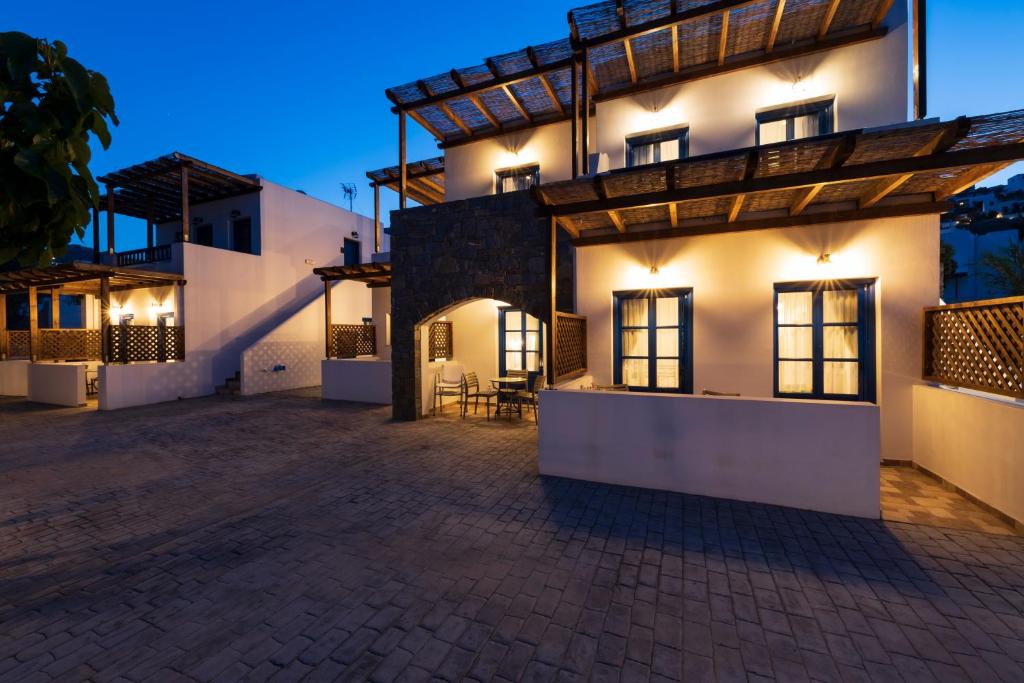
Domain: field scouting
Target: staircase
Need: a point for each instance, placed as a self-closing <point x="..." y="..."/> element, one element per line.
<point x="232" y="386"/>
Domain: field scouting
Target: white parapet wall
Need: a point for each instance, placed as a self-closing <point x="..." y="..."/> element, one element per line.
<point x="813" y="455"/>
<point x="14" y="377"/>
<point x="973" y="442"/>
<point x="139" y="384"/>
<point x="362" y="380"/>
<point x="59" y="384"/>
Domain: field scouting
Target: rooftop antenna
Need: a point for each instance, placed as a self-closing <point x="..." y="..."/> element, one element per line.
<point x="350" y="190"/>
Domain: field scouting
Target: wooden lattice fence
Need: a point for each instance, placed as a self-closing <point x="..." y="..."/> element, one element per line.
<point x="441" y="340"/>
<point x="70" y="345"/>
<point x="135" y="343"/>
<point x="350" y="341"/>
<point x="570" y="345"/>
<point x="19" y="344"/>
<point x="978" y="345"/>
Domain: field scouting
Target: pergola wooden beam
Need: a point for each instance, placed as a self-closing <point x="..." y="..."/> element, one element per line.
<point x="445" y="108"/>
<point x="545" y="83"/>
<point x="647" y="27"/>
<point x="805" y="197"/>
<point x="830" y="14"/>
<point x="617" y="221"/>
<point x="883" y="12"/>
<point x="773" y="32"/>
<point x="675" y="48"/>
<point x="734" y="210"/>
<point x="630" y="61"/>
<point x="723" y="39"/>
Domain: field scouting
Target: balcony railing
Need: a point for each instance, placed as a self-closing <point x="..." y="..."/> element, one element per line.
<point x="15" y="344"/>
<point x="350" y="341"/>
<point x="978" y="345"/>
<point x="70" y="345"/>
<point x="145" y="255"/>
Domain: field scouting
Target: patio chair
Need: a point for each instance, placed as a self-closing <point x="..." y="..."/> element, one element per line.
<point x="529" y="397"/>
<point x="472" y="390"/>
<point x="447" y="382"/>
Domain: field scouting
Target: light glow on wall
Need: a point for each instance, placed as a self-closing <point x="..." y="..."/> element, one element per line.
<point x="513" y="158"/>
<point x="653" y="276"/>
<point x="849" y="262"/>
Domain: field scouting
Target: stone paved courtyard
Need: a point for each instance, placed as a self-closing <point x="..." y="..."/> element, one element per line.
<point x="285" y="539"/>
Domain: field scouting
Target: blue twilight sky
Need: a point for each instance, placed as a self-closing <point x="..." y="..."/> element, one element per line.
<point x="295" y="91"/>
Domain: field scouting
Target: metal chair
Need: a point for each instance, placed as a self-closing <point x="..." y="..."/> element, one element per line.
<point x="448" y="381"/>
<point x="472" y="390"/>
<point x="530" y="397"/>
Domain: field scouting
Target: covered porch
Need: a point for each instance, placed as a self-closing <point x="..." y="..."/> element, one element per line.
<point x="123" y="316"/>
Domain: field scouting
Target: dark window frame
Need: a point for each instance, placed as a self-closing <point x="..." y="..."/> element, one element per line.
<point x="680" y="133"/>
<point x="531" y="171"/>
<point x="866" y="345"/>
<point x="502" y="330"/>
<point x="234" y="242"/>
<point x="825" y="109"/>
<point x="685" y="296"/>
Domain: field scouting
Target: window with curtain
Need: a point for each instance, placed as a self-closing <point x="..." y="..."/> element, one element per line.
<point x="516" y="179"/>
<point x="663" y="145"/>
<point x="520" y="341"/>
<point x="824" y="340"/>
<point x="796" y="122"/>
<point x="653" y="340"/>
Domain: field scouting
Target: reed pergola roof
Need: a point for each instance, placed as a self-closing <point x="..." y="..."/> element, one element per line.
<point x="153" y="189"/>
<point x="373" y="274"/>
<point x="630" y="46"/>
<point x="898" y="170"/>
<point x="84" y="277"/>
<point x="425" y="180"/>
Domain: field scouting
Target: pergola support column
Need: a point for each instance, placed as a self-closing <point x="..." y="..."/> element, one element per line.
<point x="96" y="234"/>
<point x="327" y="319"/>
<point x="55" y="309"/>
<point x="574" y="89"/>
<point x="185" y="220"/>
<point x="403" y="167"/>
<point x="920" y="59"/>
<point x="33" y="323"/>
<point x="3" y="327"/>
<point x="585" y="114"/>
<point x="552" y="268"/>
<point x="110" y="220"/>
<point x="376" y="218"/>
<point x="105" y="318"/>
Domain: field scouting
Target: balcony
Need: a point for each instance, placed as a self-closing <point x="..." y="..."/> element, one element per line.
<point x="145" y="255"/>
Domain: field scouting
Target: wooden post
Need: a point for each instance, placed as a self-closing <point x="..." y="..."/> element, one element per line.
<point x="552" y="267"/>
<point x="185" y="237"/>
<point x="376" y="218"/>
<point x="96" y="234"/>
<point x="105" y="318"/>
<point x="575" y="90"/>
<point x="55" y="309"/>
<point x="585" y="121"/>
<point x="3" y="327"/>
<point x="920" y="59"/>
<point x="110" y="220"/>
<point x="149" y="231"/>
<point x="33" y="323"/>
<point x="403" y="169"/>
<point x="328" y="331"/>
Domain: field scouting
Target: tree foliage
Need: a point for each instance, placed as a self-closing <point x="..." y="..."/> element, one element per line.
<point x="49" y="106"/>
<point x="1004" y="269"/>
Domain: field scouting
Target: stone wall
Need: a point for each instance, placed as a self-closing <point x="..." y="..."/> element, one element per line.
<point x="492" y="247"/>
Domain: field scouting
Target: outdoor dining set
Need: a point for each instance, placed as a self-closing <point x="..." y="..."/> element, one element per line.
<point x="511" y="393"/>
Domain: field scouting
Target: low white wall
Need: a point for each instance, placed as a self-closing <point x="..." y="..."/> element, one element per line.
<point x="14" y="378"/>
<point x="363" y="380"/>
<point x="974" y="443"/>
<point x="60" y="384"/>
<point x="124" y="386"/>
<point x="813" y="455"/>
<point x="289" y="356"/>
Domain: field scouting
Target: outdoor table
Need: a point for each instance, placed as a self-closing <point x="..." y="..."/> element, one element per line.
<point x="507" y="388"/>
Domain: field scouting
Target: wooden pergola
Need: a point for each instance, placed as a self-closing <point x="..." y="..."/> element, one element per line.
<point x="622" y="47"/>
<point x="164" y="190"/>
<point x="424" y="184"/>
<point x="74" y="278"/>
<point x="373" y="274"/>
<point x="894" y="171"/>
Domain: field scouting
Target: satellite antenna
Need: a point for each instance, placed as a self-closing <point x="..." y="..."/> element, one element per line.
<point x="350" y="190"/>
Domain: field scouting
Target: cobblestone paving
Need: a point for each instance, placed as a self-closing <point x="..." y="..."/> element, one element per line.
<point x="284" y="539"/>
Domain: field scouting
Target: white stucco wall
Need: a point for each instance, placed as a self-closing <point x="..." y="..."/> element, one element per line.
<point x="805" y="454"/>
<point x="14" y="377"/>
<point x="733" y="277"/>
<point x="381" y="297"/>
<point x="475" y="327"/>
<point x="973" y="442"/>
<point x="59" y="384"/>
<point x="869" y="80"/>
<point x="363" y="380"/>
<point x="297" y="345"/>
<point x="139" y="384"/>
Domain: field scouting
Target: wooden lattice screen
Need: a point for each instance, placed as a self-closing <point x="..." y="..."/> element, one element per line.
<point x="570" y="346"/>
<point x="19" y="344"/>
<point x="441" y="341"/>
<point x="978" y="345"/>
<point x="70" y="345"/>
<point x="349" y="341"/>
<point x="133" y="343"/>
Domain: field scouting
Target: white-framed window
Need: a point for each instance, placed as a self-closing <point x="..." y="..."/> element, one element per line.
<point x="795" y="122"/>
<point x="656" y="146"/>
<point x="516" y="179"/>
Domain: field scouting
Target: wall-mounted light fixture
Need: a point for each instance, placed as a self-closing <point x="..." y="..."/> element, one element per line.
<point x="825" y="259"/>
<point x="654" y="270"/>
<point x="355" y="233"/>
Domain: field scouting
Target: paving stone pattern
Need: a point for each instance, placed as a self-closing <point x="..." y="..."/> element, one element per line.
<point x="281" y="538"/>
